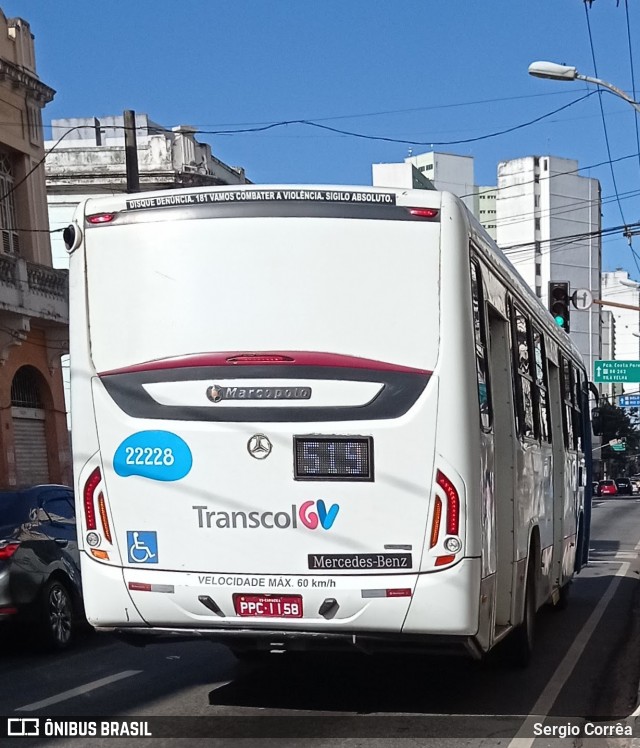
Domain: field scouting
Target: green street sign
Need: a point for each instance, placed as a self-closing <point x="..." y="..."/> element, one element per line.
<point x="618" y="447"/>
<point x="616" y="371"/>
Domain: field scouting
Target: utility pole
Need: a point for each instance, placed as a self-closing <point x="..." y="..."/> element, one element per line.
<point x="615" y="303"/>
<point x="131" y="151"/>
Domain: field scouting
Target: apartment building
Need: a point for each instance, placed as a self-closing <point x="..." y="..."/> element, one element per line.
<point x="34" y="440"/>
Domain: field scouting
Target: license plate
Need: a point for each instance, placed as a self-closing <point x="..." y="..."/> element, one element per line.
<point x="268" y="606"/>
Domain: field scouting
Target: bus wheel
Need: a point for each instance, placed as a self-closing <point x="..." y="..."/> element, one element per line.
<point x="521" y="640"/>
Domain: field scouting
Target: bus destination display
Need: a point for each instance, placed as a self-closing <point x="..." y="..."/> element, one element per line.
<point x="333" y="458"/>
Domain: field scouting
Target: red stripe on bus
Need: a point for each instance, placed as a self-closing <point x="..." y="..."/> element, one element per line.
<point x="262" y="358"/>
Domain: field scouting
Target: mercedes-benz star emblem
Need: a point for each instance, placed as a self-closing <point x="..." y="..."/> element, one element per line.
<point x="259" y="446"/>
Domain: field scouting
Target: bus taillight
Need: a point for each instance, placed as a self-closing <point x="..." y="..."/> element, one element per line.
<point x="453" y="503"/>
<point x="100" y="218"/>
<point x="260" y="358"/>
<point x="424" y="212"/>
<point x="89" y="508"/>
<point x="435" y="524"/>
<point x="103" y="516"/>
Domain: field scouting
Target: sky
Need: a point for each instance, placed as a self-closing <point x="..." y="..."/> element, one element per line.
<point x="396" y="76"/>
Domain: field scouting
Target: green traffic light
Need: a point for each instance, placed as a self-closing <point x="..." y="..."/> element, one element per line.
<point x="559" y="320"/>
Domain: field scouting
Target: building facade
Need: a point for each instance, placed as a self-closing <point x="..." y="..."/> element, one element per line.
<point x="548" y="225"/>
<point x="399" y="175"/>
<point x="34" y="440"/>
<point x="442" y="171"/>
<point x="611" y="390"/>
<point x="449" y="173"/>
<point x="620" y="289"/>
<point x="486" y="211"/>
<point x="542" y="214"/>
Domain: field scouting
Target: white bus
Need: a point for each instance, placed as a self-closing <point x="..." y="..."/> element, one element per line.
<point x="318" y="417"/>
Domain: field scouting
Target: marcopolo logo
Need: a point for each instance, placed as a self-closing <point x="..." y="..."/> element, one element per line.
<point x="310" y="514"/>
<point x="216" y="393"/>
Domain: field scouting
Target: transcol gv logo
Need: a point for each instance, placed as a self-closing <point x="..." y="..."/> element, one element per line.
<point x="323" y="516"/>
<point x="310" y="514"/>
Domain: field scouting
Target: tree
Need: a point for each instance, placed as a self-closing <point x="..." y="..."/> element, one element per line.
<point x="617" y="424"/>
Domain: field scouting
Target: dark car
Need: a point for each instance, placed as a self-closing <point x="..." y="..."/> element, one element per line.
<point x="608" y="488"/>
<point x="40" y="564"/>
<point x="624" y="486"/>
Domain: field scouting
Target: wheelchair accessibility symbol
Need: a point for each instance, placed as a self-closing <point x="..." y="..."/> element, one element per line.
<point x="142" y="546"/>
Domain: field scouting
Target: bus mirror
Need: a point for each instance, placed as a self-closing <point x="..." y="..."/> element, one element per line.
<point x="596" y="421"/>
<point x="72" y="237"/>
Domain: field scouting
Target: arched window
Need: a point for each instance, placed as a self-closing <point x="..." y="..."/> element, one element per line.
<point x="25" y="389"/>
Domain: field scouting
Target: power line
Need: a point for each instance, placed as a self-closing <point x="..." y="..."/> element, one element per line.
<point x="606" y="162"/>
<point x="328" y="118"/>
<point x="386" y="139"/>
<point x="604" y="121"/>
<point x="633" y="78"/>
<point x="395" y="111"/>
<point x="277" y="124"/>
<point x="552" y="213"/>
<point x="15" y="186"/>
<point x="571" y="238"/>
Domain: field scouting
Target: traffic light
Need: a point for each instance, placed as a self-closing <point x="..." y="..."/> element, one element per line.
<point x="559" y="301"/>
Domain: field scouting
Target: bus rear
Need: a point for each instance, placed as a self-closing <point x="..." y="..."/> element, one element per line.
<point x="255" y="411"/>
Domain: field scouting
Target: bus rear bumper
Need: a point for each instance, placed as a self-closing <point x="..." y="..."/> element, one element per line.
<point x="280" y="642"/>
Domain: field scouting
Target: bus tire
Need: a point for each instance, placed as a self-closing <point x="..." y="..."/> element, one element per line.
<point x="522" y="637"/>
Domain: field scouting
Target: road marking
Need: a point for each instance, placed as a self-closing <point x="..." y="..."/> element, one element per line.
<point x="78" y="691"/>
<point x="636" y="711"/>
<point x="547" y="698"/>
<point x="599" y="555"/>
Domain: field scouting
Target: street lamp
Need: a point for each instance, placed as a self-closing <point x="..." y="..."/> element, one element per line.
<point x="556" y="72"/>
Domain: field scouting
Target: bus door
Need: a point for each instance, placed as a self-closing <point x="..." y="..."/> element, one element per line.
<point x="562" y="467"/>
<point x="504" y="445"/>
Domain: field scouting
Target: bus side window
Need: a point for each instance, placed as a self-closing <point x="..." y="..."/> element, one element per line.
<point x="523" y="374"/>
<point x="567" y="397"/>
<point x="577" y="407"/>
<point x="480" y="334"/>
<point x="541" y="386"/>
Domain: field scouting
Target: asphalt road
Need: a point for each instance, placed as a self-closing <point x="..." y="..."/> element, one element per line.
<point x="586" y="668"/>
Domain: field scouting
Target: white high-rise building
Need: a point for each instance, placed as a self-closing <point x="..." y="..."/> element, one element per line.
<point x="619" y="288"/>
<point x="399" y="175"/>
<point x="609" y="352"/>
<point x="542" y="213"/>
<point x="486" y="209"/>
<point x="450" y="173"/>
<point x="548" y="225"/>
<point x="442" y="171"/>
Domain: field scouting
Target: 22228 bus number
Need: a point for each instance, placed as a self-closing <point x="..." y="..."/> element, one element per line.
<point x="149" y="456"/>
